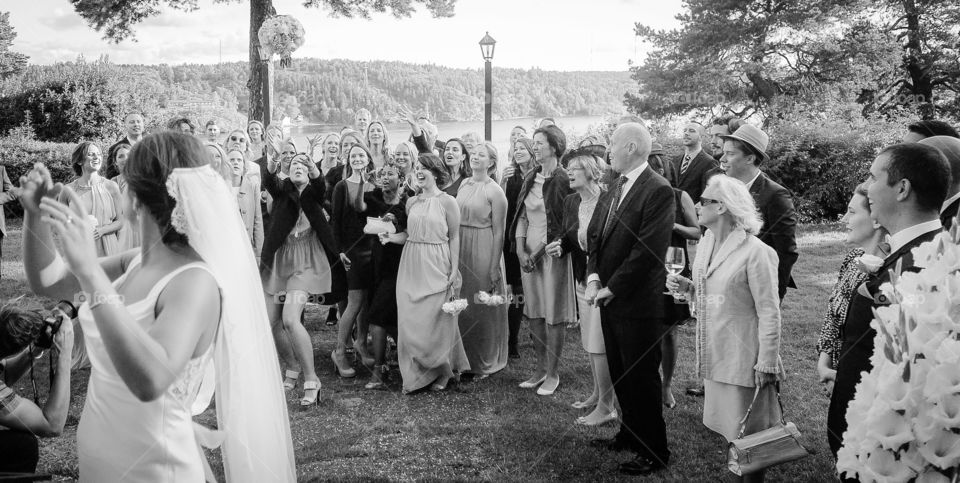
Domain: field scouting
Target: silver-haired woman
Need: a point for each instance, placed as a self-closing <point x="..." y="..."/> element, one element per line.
<point x="738" y="312"/>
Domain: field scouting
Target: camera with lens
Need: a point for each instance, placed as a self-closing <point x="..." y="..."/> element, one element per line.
<point x="51" y="323"/>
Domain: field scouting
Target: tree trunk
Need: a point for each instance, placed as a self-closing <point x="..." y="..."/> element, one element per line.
<point x="921" y="84"/>
<point x="259" y="11"/>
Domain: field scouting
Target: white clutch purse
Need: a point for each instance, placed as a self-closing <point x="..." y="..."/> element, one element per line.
<point x="376" y="226"/>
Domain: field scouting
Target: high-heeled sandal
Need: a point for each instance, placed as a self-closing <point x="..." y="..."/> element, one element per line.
<point x="530" y="383"/>
<point x="342" y="366"/>
<point x="377" y="376"/>
<point x="309" y="386"/>
<point x="586" y="403"/>
<point x="290" y="379"/>
<point x="362" y="355"/>
<point x="582" y="420"/>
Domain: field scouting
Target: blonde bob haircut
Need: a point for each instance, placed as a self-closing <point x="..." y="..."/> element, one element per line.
<point x="738" y="201"/>
<point x="593" y="167"/>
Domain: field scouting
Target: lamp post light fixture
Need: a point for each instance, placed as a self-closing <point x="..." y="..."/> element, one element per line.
<point x="487" y="44"/>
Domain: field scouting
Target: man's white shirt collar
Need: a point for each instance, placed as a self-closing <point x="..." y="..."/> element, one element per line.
<point x="902" y="237"/>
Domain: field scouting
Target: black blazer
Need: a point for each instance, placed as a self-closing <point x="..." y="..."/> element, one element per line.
<point x="946" y="218"/>
<point x="569" y="243"/>
<point x="287" y="203"/>
<point x="555" y="189"/>
<point x="629" y="259"/>
<point x="779" y="226"/>
<point x="694" y="180"/>
<point x="511" y="188"/>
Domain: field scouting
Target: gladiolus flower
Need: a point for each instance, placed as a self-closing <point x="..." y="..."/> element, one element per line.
<point x="943" y="451"/>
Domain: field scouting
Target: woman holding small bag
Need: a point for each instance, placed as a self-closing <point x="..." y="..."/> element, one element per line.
<point x="738" y="335"/>
<point x="483" y="215"/>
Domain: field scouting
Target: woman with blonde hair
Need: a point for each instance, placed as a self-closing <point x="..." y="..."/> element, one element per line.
<point x="257" y="138"/>
<point x="404" y="155"/>
<point x="100" y="197"/>
<point x="483" y="215"/>
<point x="378" y="140"/>
<point x="735" y="289"/>
<point x="585" y="171"/>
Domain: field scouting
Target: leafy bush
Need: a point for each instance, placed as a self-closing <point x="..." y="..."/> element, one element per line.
<point x="18" y="155"/>
<point x="76" y="101"/>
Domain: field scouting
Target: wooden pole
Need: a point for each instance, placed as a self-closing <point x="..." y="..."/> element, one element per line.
<point x="267" y="75"/>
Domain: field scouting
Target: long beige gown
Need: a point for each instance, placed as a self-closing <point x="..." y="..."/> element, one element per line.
<point x="428" y="345"/>
<point x="483" y="328"/>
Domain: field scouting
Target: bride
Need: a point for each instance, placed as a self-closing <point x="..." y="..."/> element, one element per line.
<point x="154" y="318"/>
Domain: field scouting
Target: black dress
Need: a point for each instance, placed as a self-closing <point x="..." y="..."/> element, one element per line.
<point x="386" y="263"/>
<point x="854" y="358"/>
<point x="676" y="313"/>
<point x="348" y="226"/>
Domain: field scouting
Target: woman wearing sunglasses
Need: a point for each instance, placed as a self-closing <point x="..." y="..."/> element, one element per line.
<point x="238" y="140"/>
<point x="738" y="307"/>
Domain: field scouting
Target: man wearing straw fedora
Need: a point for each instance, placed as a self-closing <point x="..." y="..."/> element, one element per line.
<point x="743" y="152"/>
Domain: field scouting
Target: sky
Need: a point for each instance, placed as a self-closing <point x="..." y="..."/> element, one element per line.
<point x="561" y="35"/>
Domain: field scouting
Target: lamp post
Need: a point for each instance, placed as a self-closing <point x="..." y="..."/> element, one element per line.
<point x="487" y="45"/>
<point x="266" y="72"/>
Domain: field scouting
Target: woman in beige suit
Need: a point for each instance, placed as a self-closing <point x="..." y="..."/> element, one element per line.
<point x="247" y="190"/>
<point x="734" y="287"/>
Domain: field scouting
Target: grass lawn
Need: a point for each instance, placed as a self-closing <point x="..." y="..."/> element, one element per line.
<point x="493" y="430"/>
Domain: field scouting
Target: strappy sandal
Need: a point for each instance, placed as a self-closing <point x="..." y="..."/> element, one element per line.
<point x="290" y="379"/>
<point x="308" y="398"/>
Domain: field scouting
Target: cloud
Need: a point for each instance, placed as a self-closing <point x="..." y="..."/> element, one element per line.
<point x="61" y="20"/>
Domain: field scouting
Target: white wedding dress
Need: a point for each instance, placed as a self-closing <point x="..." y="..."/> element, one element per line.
<point x="121" y="438"/>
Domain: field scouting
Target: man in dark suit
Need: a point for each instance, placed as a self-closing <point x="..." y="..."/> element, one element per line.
<point x="907" y="185"/>
<point x="132" y="134"/>
<point x="689" y="170"/>
<point x="8" y="193"/>
<point x="950" y="147"/>
<point x="743" y="152"/>
<point x="627" y="240"/>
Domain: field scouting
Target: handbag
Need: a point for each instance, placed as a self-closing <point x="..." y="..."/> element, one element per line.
<point x="763" y="449"/>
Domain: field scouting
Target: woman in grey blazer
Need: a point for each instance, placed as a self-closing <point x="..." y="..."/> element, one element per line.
<point x="734" y="287"/>
<point x="247" y="190"/>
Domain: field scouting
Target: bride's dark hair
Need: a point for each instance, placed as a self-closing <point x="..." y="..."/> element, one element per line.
<point x="150" y="163"/>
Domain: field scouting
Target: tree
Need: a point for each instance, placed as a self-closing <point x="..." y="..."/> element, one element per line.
<point x="744" y="55"/>
<point x="10" y="62"/>
<point x="118" y="20"/>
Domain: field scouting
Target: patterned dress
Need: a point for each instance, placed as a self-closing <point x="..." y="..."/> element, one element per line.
<point x="831" y="333"/>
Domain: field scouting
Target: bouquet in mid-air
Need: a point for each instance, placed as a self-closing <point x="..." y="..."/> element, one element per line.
<point x="281" y="35"/>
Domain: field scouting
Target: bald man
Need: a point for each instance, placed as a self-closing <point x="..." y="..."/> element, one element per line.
<point x="950" y="147"/>
<point x="689" y="171"/>
<point x="627" y="239"/>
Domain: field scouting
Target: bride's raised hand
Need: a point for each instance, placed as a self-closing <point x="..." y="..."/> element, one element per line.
<point x="73" y="230"/>
<point x="35" y="185"/>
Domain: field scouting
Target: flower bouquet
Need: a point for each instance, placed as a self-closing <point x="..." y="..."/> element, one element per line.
<point x="281" y="35"/>
<point x="491" y="299"/>
<point x="904" y="422"/>
<point x="454" y="306"/>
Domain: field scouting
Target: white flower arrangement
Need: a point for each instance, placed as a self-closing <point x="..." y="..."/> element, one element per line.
<point x="281" y="35"/>
<point x="904" y="422"/>
<point x="491" y="299"/>
<point x="454" y="307"/>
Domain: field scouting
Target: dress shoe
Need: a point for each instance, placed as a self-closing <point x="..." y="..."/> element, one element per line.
<point x="695" y="391"/>
<point x="609" y="444"/>
<point x="641" y="466"/>
<point x="531" y="383"/>
<point x="548" y="390"/>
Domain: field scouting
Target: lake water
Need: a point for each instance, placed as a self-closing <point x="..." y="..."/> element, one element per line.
<point x="572" y="126"/>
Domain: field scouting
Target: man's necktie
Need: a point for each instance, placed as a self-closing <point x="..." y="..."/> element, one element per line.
<point x="685" y="164"/>
<point x="614" y="202"/>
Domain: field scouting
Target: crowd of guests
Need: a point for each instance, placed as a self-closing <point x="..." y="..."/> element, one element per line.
<point x="390" y="233"/>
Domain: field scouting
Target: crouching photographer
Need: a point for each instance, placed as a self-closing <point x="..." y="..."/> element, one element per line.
<point x="24" y="336"/>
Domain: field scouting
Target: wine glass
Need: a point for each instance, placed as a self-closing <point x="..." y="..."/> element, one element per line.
<point x="674" y="262"/>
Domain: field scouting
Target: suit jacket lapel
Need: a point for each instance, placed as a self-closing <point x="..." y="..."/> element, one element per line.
<point x="627" y="200"/>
